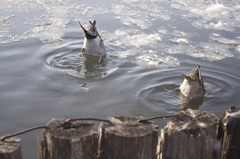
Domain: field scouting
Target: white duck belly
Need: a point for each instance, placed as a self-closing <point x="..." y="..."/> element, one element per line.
<point x="94" y="47"/>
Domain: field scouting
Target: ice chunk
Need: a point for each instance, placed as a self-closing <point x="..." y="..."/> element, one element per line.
<point x="225" y="41"/>
<point x="181" y="41"/>
<point x="205" y="51"/>
<point x="144" y="39"/>
<point x="155" y="59"/>
<point x="238" y="48"/>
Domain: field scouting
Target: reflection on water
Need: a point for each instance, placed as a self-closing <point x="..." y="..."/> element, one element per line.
<point x="92" y="62"/>
<point x="187" y="103"/>
<point x="149" y="44"/>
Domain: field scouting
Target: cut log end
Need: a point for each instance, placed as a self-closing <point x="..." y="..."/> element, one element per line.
<point x="190" y="135"/>
<point x="73" y="129"/>
<point x="75" y="140"/>
<point x="128" y="127"/>
<point x="228" y="128"/>
<point x="10" y="148"/>
<point x="125" y="137"/>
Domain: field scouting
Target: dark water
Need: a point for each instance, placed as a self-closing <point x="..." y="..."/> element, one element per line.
<point x="149" y="44"/>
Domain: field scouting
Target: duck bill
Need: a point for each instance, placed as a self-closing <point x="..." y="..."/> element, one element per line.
<point x="87" y="33"/>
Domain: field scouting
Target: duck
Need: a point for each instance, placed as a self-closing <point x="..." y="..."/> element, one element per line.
<point x="192" y="85"/>
<point x="93" y="43"/>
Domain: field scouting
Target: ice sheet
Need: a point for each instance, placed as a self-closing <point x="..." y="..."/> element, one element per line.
<point x="147" y="25"/>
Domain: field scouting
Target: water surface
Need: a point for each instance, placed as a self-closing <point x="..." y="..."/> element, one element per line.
<point x="149" y="45"/>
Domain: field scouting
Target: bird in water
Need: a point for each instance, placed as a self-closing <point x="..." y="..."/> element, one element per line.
<point x="93" y="43"/>
<point x="192" y="86"/>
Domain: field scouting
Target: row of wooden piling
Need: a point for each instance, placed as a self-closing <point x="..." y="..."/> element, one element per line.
<point x="190" y="134"/>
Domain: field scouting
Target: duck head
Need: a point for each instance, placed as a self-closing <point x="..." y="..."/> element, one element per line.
<point x="192" y="86"/>
<point x="93" y="43"/>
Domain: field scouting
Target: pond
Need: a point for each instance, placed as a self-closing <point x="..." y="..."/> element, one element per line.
<point x="149" y="44"/>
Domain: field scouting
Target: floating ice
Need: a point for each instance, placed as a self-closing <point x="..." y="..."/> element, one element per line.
<point x="125" y="54"/>
<point x="225" y="41"/>
<point x="205" y="51"/>
<point x="140" y="13"/>
<point x="238" y="48"/>
<point x="142" y="22"/>
<point x="181" y="41"/>
<point x="44" y="19"/>
<point x="219" y="25"/>
<point x="144" y="39"/>
<point x="209" y="14"/>
<point x="154" y="59"/>
<point x="142" y="30"/>
<point x="123" y="32"/>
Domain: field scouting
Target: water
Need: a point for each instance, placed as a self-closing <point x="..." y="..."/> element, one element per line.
<point x="149" y="44"/>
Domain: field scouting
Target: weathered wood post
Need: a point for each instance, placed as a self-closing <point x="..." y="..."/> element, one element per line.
<point x="190" y="135"/>
<point x="10" y="148"/>
<point x="126" y="138"/>
<point x="68" y="140"/>
<point x="229" y="133"/>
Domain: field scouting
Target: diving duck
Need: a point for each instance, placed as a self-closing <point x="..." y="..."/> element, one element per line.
<point x="192" y="86"/>
<point x="93" y="43"/>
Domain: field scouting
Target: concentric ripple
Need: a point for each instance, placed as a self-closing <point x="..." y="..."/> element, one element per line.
<point x="71" y="62"/>
<point x="164" y="95"/>
<point x="219" y="88"/>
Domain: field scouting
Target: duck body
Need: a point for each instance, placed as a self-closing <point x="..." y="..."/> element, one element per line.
<point x="192" y="86"/>
<point x="93" y="47"/>
<point x="93" y="43"/>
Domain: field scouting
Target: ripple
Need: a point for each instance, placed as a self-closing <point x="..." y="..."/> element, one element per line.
<point x="164" y="95"/>
<point x="219" y="88"/>
<point x="71" y="62"/>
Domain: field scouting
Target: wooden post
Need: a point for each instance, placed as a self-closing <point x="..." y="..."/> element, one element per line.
<point x="69" y="140"/>
<point x="190" y="135"/>
<point x="229" y="133"/>
<point x="10" y="148"/>
<point x="125" y="138"/>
